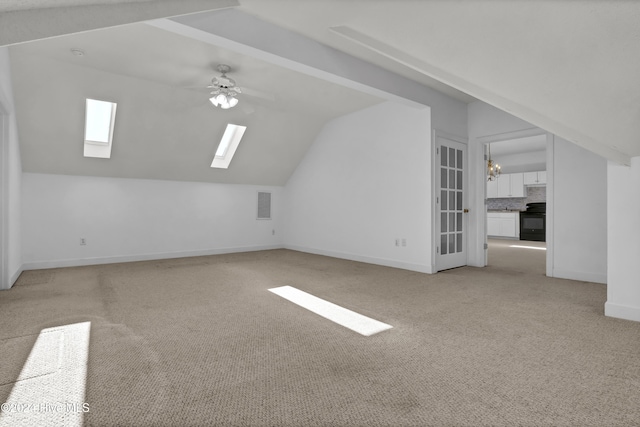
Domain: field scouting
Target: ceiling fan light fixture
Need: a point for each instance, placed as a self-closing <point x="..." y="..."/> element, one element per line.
<point x="224" y="89"/>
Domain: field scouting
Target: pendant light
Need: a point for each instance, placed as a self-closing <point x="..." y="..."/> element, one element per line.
<point x="493" y="169"/>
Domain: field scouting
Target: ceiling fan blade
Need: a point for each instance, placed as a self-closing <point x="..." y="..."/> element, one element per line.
<point x="258" y="94"/>
<point x="199" y="88"/>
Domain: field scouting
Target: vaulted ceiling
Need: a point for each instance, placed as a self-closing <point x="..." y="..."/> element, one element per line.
<point x="166" y="128"/>
<point x="568" y="67"/>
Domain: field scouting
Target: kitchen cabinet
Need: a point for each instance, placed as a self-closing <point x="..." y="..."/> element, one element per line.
<point x="492" y="189"/>
<point x="503" y="224"/>
<point x="516" y="187"/>
<point x="506" y="185"/>
<point x="535" y="178"/>
<point x="542" y="177"/>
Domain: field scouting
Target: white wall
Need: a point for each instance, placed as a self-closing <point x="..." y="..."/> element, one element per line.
<point x="10" y="181"/>
<point x="129" y="219"/>
<point x="576" y="197"/>
<point x="365" y="182"/>
<point x="623" y="226"/>
<point x="485" y="119"/>
<point x="580" y="213"/>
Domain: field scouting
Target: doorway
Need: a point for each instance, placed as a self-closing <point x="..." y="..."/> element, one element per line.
<point x="515" y="192"/>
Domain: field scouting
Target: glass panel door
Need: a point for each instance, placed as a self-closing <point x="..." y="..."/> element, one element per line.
<point x="451" y="188"/>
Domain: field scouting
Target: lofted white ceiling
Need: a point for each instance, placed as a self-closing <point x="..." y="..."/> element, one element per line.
<point x="165" y="126"/>
<point x="11" y="5"/>
<point x="569" y="67"/>
<point x="525" y="154"/>
<point x="27" y="20"/>
<point x="527" y="144"/>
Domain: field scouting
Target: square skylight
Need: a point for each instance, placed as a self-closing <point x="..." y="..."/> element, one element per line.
<point x="227" y="146"/>
<point x="98" y="128"/>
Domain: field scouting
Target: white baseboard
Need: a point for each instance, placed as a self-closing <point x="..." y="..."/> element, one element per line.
<point x="38" y="265"/>
<point x="580" y="275"/>
<point x="366" y="259"/>
<point x="622" y="311"/>
<point x="15" y="276"/>
<point x="11" y="279"/>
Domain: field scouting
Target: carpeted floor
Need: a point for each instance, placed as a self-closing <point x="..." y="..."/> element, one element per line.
<point x="200" y="341"/>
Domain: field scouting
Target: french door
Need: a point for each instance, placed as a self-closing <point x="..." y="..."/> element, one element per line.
<point x="451" y="218"/>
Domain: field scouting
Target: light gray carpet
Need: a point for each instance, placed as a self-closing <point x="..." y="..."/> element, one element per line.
<point x="200" y="341"/>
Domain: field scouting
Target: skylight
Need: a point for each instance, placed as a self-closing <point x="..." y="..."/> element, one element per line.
<point x="228" y="145"/>
<point x="98" y="128"/>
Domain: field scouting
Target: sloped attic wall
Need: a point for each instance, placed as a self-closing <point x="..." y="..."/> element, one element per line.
<point x="365" y="182"/>
<point x="161" y="132"/>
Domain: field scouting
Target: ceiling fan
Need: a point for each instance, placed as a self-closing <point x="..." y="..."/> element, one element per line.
<point x="224" y="89"/>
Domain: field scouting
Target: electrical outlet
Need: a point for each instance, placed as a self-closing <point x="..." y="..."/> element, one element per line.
<point x="397" y="242"/>
<point x="83" y="241"/>
<point x="273" y="232"/>
<point x="404" y="242"/>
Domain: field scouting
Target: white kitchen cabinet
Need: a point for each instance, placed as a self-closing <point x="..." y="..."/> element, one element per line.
<point x="542" y="177"/>
<point x="492" y="189"/>
<point x="516" y="181"/>
<point x="506" y="185"/>
<point x="535" y="178"/>
<point x="503" y="224"/>
<point x="530" y="178"/>
<point x="494" y="226"/>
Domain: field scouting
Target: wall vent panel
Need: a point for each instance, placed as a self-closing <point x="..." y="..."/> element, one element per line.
<point x="264" y="205"/>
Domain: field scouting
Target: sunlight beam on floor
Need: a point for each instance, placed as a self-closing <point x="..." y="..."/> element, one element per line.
<point x="50" y="390"/>
<point x="349" y="319"/>
<point x="528" y="247"/>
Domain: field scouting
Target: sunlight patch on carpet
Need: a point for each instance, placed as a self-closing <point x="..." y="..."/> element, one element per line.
<point x="50" y="388"/>
<point x="528" y="247"/>
<point x="42" y="351"/>
<point x="349" y="319"/>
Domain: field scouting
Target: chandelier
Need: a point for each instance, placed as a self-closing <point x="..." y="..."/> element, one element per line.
<point x="224" y="90"/>
<point x="493" y="169"/>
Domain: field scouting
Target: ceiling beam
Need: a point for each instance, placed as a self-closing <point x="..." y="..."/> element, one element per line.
<point x="516" y="109"/>
<point x="24" y="25"/>
<point x="243" y="33"/>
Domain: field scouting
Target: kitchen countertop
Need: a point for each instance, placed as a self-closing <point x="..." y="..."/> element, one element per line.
<point x="504" y="210"/>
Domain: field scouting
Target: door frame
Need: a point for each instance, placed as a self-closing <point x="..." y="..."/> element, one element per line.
<point x="480" y="205"/>
<point x="4" y="198"/>
<point x="436" y="133"/>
